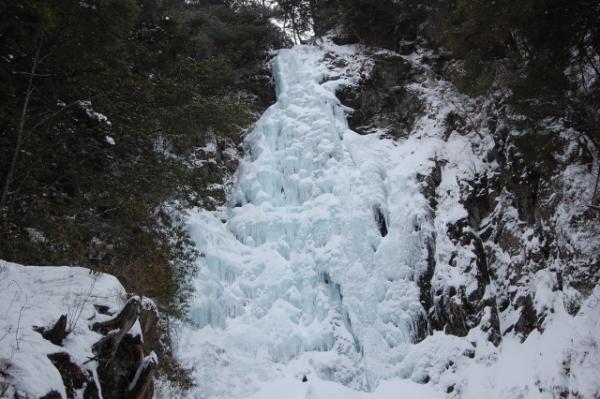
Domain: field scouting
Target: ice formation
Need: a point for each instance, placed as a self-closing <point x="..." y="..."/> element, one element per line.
<point x="314" y="261"/>
<point x="308" y="282"/>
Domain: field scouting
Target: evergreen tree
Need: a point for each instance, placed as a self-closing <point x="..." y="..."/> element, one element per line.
<point x="103" y="105"/>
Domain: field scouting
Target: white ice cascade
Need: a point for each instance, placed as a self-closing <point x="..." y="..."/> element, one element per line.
<point x="313" y="269"/>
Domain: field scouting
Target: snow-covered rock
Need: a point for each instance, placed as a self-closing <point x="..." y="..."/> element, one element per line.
<point x="36" y="296"/>
<point x="34" y="363"/>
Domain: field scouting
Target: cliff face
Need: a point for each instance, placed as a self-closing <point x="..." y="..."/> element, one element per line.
<point x="514" y="239"/>
<point x="401" y="231"/>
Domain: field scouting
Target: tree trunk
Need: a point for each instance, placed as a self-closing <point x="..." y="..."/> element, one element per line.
<point x="20" y="129"/>
<point x="295" y="29"/>
<point x="313" y="13"/>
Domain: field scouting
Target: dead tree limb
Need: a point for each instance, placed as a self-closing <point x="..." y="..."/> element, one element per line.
<point x="21" y="128"/>
<point x="57" y="333"/>
<point x="142" y="386"/>
<point x="115" y="329"/>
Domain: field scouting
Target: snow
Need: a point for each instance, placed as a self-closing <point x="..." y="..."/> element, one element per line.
<point x="297" y="279"/>
<point x="36" y="296"/>
<point x="35" y="235"/>
<point x="300" y="268"/>
<point x="307" y="284"/>
<point x="293" y="388"/>
<point x="536" y="367"/>
<point x="86" y="105"/>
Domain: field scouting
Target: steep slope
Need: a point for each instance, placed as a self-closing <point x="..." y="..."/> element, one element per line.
<point x="313" y="258"/>
<point x="363" y="259"/>
<point x="514" y="257"/>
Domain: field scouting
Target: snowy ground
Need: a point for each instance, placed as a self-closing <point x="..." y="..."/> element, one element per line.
<point x="36" y="296"/>
<point x="310" y="271"/>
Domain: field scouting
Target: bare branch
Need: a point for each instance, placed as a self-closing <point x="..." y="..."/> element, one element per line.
<point x="21" y="128"/>
<point x="33" y="74"/>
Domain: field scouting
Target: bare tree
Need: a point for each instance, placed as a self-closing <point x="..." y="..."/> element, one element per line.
<point x="21" y="126"/>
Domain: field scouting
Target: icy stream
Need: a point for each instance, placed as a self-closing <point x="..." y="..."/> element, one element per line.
<point x="310" y="271"/>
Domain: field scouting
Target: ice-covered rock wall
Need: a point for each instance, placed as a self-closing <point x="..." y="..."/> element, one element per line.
<point x="318" y="254"/>
<point x="426" y="249"/>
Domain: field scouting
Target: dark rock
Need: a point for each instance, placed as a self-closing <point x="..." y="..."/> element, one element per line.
<point x="491" y="326"/>
<point x="152" y="330"/>
<point x="74" y="377"/>
<point x="525" y="194"/>
<point x="454" y="122"/>
<point x="121" y="354"/>
<point x="116" y="373"/>
<point x="103" y="309"/>
<point x="423" y="329"/>
<point x="429" y="187"/>
<point x="430" y="183"/>
<point x="57" y="333"/>
<point x="380" y="220"/>
<point x="483" y="275"/>
<point x="382" y="101"/>
<point x="425" y="296"/>
<point x="349" y="96"/>
<point x="343" y="39"/>
<point x="477" y="200"/>
<point x="504" y="303"/>
<point x="52" y="395"/>
<point x="455" y="317"/>
<point x="143" y="386"/>
<point x="454" y="311"/>
<point x="528" y="320"/>
<point x="406" y="47"/>
<point x="334" y="61"/>
<point x="263" y="86"/>
<point x="304" y="378"/>
<point x="470" y="353"/>
<point x="91" y="392"/>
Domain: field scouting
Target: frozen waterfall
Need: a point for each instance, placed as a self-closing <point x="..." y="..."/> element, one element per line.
<point x="311" y="269"/>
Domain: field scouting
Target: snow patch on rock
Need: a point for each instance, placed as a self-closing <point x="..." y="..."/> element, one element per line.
<point x="36" y="296"/>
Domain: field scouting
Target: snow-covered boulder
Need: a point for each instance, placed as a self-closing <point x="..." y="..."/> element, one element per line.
<point x="50" y="319"/>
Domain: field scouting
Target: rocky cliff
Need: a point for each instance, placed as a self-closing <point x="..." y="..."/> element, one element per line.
<point x="400" y="233"/>
<point x="521" y="239"/>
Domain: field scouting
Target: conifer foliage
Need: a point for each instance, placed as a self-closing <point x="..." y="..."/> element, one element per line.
<point x="544" y="55"/>
<point x="102" y="106"/>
